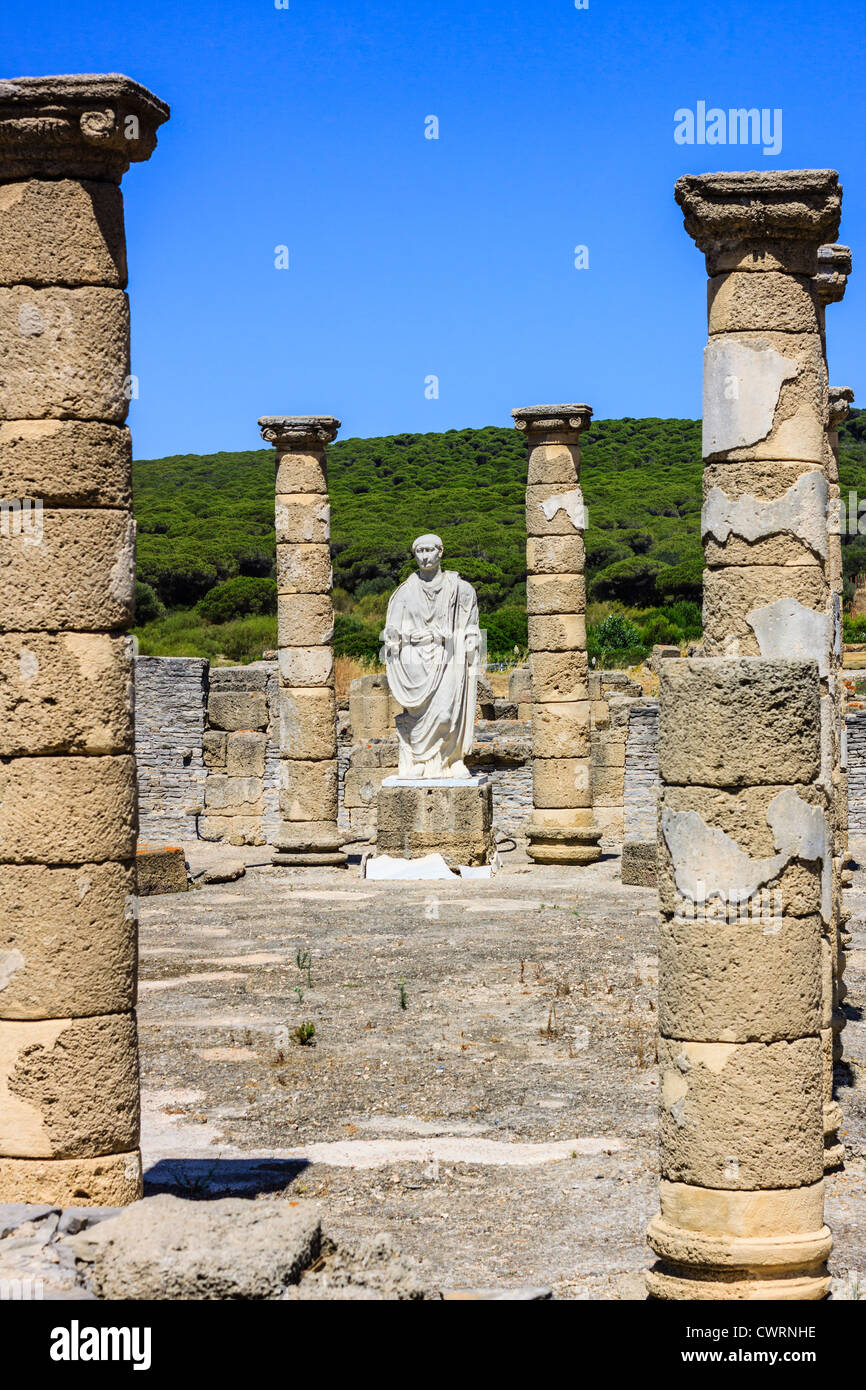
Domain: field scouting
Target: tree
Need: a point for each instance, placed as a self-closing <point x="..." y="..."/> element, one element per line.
<point x="238" y="598"/>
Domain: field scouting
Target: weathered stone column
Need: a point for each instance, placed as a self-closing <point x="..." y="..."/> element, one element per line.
<point x="69" y="1098"/>
<point x="305" y="618"/>
<point x="840" y="400"/>
<point x="834" y="267"/>
<point x="744" y="827"/>
<point x="768" y="587"/>
<point x="562" y="829"/>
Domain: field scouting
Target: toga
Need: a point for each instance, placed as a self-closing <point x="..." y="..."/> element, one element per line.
<point x="430" y="672"/>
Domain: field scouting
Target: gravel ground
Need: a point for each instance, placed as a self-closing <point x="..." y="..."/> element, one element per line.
<point x="500" y="1126"/>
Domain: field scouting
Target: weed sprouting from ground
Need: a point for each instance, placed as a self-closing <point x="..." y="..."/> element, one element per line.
<point x="197" y="1188"/>
<point x="552" y="1029"/>
<point x="304" y="1035"/>
<point x="304" y="961"/>
<point x="404" y="1002"/>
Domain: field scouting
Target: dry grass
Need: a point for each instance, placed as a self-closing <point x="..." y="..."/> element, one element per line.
<point x="647" y="680"/>
<point x="499" y="682"/>
<point x="348" y="669"/>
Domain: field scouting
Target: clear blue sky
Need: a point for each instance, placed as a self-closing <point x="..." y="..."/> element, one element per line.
<point x="409" y="257"/>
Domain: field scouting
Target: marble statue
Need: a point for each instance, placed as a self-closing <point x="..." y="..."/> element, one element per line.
<point x="432" y="644"/>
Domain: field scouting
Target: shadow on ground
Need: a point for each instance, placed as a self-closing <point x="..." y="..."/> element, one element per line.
<point x="206" y="1179"/>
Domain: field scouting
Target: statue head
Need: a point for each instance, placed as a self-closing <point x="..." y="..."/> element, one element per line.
<point x="428" y="553"/>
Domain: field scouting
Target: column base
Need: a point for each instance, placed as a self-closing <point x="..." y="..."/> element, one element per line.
<point x="337" y="860"/>
<point x="309" y="844"/>
<point x="576" y="843"/>
<point x="110" y="1181"/>
<point x="663" y="1285"/>
<point x="720" y="1244"/>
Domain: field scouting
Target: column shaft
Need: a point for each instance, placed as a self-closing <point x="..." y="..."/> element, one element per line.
<point x="305" y="616"/>
<point x="69" y="1099"/>
<point x="562" y="829"/>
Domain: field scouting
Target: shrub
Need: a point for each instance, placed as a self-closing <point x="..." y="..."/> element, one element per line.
<point x="148" y="605"/>
<point x="506" y="629"/>
<point x="660" y="629"/>
<point x="616" y="631"/>
<point x="354" y="638"/>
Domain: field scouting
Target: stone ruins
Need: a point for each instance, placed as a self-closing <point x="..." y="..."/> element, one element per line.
<point x="730" y="798"/>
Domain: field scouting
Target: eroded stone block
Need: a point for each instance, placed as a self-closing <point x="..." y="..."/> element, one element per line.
<point x="304" y="569"/>
<point x="454" y="821"/>
<point x="308" y="723"/>
<point x="64" y="354"/>
<point x="62" y="232"/>
<point x="65" y="692"/>
<point x="67" y="463"/>
<point x="754" y="978"/>
<point x="67" y="940"/>
<point x="231" y="710"/>
<point x="758" y="722"/>
<point x="741" y="1115"/>
<point x="68" y="1087"/>
<point x="69" y="570"/>
<point x="67" y="810"/>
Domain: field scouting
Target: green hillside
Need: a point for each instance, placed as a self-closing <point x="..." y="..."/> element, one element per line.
<point x="207" y="520"/>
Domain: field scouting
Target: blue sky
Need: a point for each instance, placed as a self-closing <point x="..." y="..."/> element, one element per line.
<point x="409" y="257"/>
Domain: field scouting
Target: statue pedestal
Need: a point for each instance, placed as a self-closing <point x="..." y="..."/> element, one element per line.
<point x="563" y="837"/>
<point x="436" y="815"/>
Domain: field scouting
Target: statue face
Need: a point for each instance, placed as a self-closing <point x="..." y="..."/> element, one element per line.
<point x="428" y="557"/>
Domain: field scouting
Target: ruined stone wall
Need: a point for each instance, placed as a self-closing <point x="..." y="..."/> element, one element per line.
<point x="641" y="781"/>
<point x="170" y="711"/>
<point x="241" y="753"/>
<point x="855" y="727"/>
<point x="612" y="694"/>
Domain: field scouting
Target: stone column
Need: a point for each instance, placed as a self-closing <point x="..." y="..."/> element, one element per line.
<point x="562" y="829"/>
<point x="69" y="1097"/>
<point x="742" y="1194"/>
<point x="840" y="401"/>
<point x="308" y="833"/>
<point x="768" y="588"/>
<point x="830" y="282"/>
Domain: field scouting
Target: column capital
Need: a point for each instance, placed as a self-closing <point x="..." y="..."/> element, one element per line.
<point x="834" y="267"/>
<point x="761" y="220"/>
<point x="82" y="125"/>
<point x="541" y="423"/>
<point x="298" y="432"/>
<point x="839" y="402"/>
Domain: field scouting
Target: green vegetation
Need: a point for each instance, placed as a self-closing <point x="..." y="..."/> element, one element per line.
<point x="206" y="536"/>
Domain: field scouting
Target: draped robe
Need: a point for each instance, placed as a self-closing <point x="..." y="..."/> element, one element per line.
<point x="430" y="672"/>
